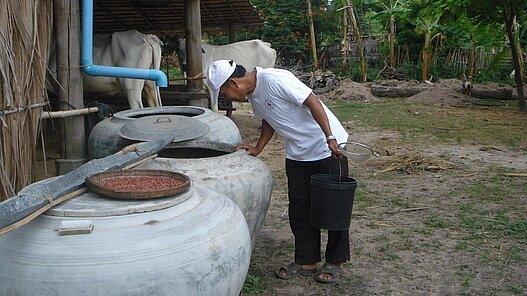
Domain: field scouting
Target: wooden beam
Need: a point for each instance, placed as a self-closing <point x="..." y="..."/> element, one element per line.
<point x="240" y="17"/>
<point x="108" y="12"/>
<point x="208" y="13"/>
<point x="138" y="10"/>
<point x="193" y="46"/>
<point x="232" y="33"/>
<point x="194" y="51"/>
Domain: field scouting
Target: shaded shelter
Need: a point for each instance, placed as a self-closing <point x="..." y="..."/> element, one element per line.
<point x="156" y="17"/>
<point x="168" y="16"/>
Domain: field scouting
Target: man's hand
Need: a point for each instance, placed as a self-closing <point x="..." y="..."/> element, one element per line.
<point x="335" y="151"/>
<point x="251" y="150"/>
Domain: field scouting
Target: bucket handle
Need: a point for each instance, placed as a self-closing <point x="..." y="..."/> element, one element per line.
<point x="340" y="170"/>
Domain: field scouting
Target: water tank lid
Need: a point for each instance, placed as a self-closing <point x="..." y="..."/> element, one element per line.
<point x="154" y="127"/>
<point x="91" y="204"/>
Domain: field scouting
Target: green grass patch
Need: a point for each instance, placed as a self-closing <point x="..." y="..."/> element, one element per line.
<point x="423" y="231"/>
<point x="358" y="251"/>
<point x="436" y="221"/>
<point x="363" y="200"/>
<point x="496" y="187"/>
<point x="498" y="226"/>
<point x="516" y="290"/>
<point x="392" y="257"/>
<point x="253" y="285"/>
<point x="434" y="123"/>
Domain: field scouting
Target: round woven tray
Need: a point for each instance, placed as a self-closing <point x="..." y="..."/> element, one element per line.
<point x="94" y="183"/>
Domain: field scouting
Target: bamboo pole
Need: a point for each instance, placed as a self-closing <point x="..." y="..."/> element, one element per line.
<point x="426" y="52"/>
<point x="392" y="40"/>
<point x="69" y="113"/>
<point x="345" y="40"/>
<point x="312" y="35"/>
<point x="359" y="42"/>
<point x="472" y="58"/>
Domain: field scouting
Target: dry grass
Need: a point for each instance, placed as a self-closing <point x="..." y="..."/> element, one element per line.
<point x="24" y="42"/>
<point x="414" y="163"/>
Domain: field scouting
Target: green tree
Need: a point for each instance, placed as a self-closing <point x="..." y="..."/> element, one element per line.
<point x="287" y="26"/>
<point x="425" y="15"/>
<point x="391" y="10"/>
<point x="507" y="12"/>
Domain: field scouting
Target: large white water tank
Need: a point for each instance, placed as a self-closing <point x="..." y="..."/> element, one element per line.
<point x="104" y="139"/>
<point x="194" y="243"/>
<point x="245" y="179"/>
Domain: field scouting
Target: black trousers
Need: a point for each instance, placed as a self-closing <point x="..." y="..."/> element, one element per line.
<point x="307" y="237"/>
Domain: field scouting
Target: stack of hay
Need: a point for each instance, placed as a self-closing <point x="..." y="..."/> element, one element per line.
<point x="25" y="35"/>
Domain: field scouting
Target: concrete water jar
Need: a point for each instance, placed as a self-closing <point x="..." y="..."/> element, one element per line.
<point x="193" y="243"/>
<point x="104" y="139"/>
<point x="245" y="179"/>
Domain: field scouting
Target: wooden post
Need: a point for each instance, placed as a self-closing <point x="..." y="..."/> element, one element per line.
<point x="193" y="48"/>
<point x="232" y="34"/>
<point x="67" y="38"/>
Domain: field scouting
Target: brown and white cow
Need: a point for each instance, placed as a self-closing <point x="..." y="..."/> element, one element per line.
<point x="130" y="49"/>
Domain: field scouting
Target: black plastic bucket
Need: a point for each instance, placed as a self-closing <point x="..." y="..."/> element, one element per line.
<point x="332" y="201"/>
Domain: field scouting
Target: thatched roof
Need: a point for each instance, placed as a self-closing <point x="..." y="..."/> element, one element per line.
<point x="168" y="16"/>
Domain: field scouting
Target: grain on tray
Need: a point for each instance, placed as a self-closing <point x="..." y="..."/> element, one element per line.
<point x="140" y="183"/>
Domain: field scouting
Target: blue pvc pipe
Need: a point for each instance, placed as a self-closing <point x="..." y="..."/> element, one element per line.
<point x="87" y="55"/>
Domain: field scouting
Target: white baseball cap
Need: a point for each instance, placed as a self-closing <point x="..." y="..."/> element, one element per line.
<point x="218" y="73"/>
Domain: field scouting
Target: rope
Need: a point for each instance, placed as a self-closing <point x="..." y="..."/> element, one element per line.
<point x="35" y="214"/>
<point x="75" y="67"/>
<point x="48" y="198"/>
<point x="200" y="76"/>
<point x="105" y="110"/>
<point x="68" y="104"/>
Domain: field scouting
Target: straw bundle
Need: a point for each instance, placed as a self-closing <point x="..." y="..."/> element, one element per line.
<point x="412" y="163"/>
<point x="25" y="28"/>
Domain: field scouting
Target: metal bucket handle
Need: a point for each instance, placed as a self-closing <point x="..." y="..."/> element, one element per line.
<point x="353" y="156"/>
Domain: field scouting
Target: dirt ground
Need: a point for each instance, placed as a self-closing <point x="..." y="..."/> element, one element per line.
<point x="396" y="251"/>
<point x="399" y="242"/>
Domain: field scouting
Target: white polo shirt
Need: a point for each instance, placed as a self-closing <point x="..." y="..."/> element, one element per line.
<point x="279" y="99"/>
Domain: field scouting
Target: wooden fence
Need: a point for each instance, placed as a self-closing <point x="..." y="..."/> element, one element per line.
<point x="332" y="54"/>
<point x="467" y="59"/>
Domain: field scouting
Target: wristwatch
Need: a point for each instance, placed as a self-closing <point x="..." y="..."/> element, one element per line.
<point x="330" y="137"/>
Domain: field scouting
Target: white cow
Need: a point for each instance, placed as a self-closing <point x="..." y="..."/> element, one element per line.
<point x="129" y="49"/>
<point x="250" y="54"/>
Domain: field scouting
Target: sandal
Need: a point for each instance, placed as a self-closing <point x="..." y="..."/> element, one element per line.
<point x="331" y="269"/>
<point x="293" y="270"/>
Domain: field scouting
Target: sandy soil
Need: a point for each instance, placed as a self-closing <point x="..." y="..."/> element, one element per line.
<point x="393" y="251"/>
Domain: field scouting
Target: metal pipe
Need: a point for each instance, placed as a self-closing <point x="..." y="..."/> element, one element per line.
<point x="121" y="72"/>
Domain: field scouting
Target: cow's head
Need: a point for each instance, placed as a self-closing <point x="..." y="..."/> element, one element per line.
<point x="182" y="53"/>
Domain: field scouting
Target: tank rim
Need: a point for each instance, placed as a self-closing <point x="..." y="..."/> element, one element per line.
<point x="132" y="113"/>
